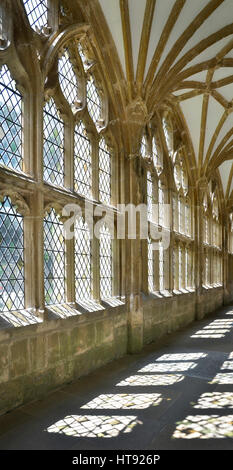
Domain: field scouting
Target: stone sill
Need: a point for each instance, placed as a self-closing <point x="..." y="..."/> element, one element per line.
<point x="167" y="296"/>
<point x="213" y="286"/>
<point x="82" y="311"/>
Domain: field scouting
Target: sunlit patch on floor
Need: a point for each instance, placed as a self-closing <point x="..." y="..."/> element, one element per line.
<point x="223" y="379"/>
<point x="94" y="426"/>
<point x="215" y="400"/>
<point x="181" y="357"/>
<point x="221" y="323"/>
<point x="227" y="365"/>
<point x="210" y="333"/>
<point x="205" y="427"/>
<point x="147" y="380"/>
<point x="124" y="401"/>
<point x="168" y="367"/>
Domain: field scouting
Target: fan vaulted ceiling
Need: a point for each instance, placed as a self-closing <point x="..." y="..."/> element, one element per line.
<point x="182" y="51"/>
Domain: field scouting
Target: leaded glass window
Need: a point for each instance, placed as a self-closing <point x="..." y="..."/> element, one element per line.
<point x="180" y="268"/>
<point x="174" y="212"/>
<point x="54" y="259"/>
<point x="168" y="133"/>
<point x="143" y="147"/>
<point x="82" y="260"/>
<point x="10" y="121"/>
<point x="161" y="267"/>
<point x="149" y="195"/>
<point x="161" y="203"/>
<point x="207" y="268"/>
<point x="93" y="100"/>
<point x="11" y="257"/>
<point x="187" y="217"/>
<point x="105" y="243"/>
<point x="150" y="266"/>
<point x="67" y="78"/>
<point x="82" y="161"/>
<point x="156" y="154"/>
<point x="37" y="13"/>
<point x="186" y="267"/>
<point x="180" y="215"/>
<point x="53" y="145"/>
<point x="104" y="172"/>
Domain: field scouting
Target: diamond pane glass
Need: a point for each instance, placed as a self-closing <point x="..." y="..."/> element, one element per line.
<point x="150" y="266"/>
<point x="161" y="203"/>
<point x="67" y="78"/>
<point x="187" y="219"/>
<point x="161" y="268"/>
<point x="143" y="147"/>
<point x="53" y="145"/>
<point x="37" y="13"/>
<point x="180" y="268"/>
<point x="54" y="259"/>
<point x="10" y="121"/>
<point x="11" y="257"/>
<point x="105" y="262"/>
<point x="82" y="161"/>
<point x="93" y="100"/>
<point x="156" y="154"/>
<point x="149" y="195"/>
<point x="82" y="260"/>
<point x="104" y="173"/>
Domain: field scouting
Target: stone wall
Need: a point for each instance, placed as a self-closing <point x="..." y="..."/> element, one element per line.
<point x="35" y="359"/>
<point x="39" y="358"/>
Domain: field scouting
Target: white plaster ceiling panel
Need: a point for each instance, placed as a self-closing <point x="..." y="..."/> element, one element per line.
<point x="182" y="91"/>
<point x="188" y="13"/>
<point x="222" y="72"/>
<point x="231" y="188"/>
<point x="227" y="91"/>
<point x="227" y="126"/>
<point x="216" y="21"/>
<point x="161" y="14"/>
<point x="210" y="52"/>
<point x="136" y="15"/>
<point x="200" y="76"/>
<point x="214" y="114"/>
<point x="111" y="10"/>
<point x="192" y="110"/>
<point x="224" y="170"/>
